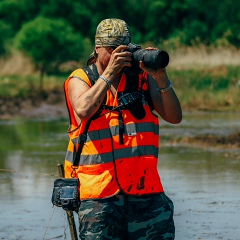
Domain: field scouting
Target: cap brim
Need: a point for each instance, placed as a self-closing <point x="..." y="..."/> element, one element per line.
<point x="91" y="58"/>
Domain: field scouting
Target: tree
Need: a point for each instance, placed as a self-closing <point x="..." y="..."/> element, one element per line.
<point x="5" y="29"/>
<point x="49" y="42"/>
<point x="12" y="13"/>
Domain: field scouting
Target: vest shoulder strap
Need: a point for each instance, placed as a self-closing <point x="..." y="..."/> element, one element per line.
<point x="92" y="73"/>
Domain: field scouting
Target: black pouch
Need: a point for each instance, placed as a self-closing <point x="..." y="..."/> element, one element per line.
<point x="66" y="194"/>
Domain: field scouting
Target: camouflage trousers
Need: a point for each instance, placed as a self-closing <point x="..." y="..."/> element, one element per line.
<point x="123" y="217"/>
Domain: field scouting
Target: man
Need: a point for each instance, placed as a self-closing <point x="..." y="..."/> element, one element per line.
<point x="120" y="189"/>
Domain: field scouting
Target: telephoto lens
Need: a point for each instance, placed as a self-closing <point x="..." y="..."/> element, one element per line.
<point x="152" y="58"/>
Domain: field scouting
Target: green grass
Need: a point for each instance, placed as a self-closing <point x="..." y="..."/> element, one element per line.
<point x="215" y="89"/>
<point x="199" y="87"/>
<point x="25" y="86"/>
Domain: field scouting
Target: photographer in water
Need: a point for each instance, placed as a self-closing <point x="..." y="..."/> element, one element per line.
<point x="120" y="188"/>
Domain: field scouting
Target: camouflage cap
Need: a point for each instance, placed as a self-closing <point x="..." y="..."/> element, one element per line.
<point x="111" y="32"/>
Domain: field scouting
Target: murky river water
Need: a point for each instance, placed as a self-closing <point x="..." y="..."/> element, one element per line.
<point x="204" y="183"/>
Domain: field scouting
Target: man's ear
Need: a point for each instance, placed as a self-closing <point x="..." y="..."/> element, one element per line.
<point x="96" y="50"/>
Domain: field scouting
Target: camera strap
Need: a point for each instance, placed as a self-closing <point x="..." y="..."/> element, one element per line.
<point x="82" y="138"/>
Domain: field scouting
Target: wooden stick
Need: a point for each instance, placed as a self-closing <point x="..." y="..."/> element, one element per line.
<point x="70" y="215"/>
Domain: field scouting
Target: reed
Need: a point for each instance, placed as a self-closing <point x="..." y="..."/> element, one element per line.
<point x="204" y="57"/>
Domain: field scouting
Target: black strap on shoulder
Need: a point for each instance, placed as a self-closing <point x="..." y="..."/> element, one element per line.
<point x="93" y="76"/>
<point x="92" y="73"/>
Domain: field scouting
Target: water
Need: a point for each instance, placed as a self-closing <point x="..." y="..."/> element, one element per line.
<point x="202" y="182"/>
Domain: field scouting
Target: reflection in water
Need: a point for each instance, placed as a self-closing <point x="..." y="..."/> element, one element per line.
<point x="29" y="154"/>
<point x="203" y="183"/>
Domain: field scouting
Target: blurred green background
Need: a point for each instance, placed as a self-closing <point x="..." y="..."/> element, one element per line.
<point x="48" y="39"/>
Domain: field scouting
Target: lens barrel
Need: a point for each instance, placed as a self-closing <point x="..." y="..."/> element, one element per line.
<point x="152" y="58"/>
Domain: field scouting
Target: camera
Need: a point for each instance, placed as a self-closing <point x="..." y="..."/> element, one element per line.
<point x="151" y="58"/>
<point x="65" y="193"/>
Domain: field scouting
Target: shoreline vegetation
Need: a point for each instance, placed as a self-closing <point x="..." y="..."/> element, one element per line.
<point x="204" y="78"/>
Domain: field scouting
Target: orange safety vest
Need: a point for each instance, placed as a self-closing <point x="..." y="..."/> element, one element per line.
<point x="107" y="165"/>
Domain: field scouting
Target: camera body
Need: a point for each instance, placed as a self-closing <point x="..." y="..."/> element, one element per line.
<point x="151" y="58"/>
<point x="65" y="193"/>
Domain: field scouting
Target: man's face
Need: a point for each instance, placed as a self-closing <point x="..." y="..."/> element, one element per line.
<point x="104" y="55"/>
